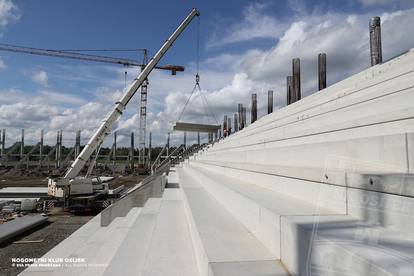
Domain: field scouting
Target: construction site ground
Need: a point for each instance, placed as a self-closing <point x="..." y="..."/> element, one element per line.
<point x="60" y="226"/>
<point x="14" y="179"/>
<point x="47" y="236"/>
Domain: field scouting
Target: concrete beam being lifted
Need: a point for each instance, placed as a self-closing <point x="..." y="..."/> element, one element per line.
<point x="179" y="126"/>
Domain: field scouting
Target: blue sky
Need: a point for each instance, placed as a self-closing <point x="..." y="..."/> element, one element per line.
<point x="246" y="47"/>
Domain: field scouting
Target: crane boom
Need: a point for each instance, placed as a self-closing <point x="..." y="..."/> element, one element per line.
<point x="105" y="127"/>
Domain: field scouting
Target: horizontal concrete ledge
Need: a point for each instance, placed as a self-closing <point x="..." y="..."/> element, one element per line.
<point x="401" y="184"/>
<point x="152" y="186"/>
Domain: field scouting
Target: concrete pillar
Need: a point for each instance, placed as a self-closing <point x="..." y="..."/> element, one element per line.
<point x="57" y="149"/>
<point x="228" y="126"/>
<point x="215" y="136"/>
<point x="296" y="80"/>
<point x="22" y="145"/>
<point x="41" y="148"/>
<point x="254" y="108"/>
<point x="185" y="139"/>
<point x="219" y="133"/>
<point x="225" y="126"/>
<point x="289" y="90"/>
<point x="322" y="71"/>
<point x="244" y="116"/>
<point x="60" y="145"/>
<point x="132" y="152"/>
<point x="3" y="142"/>
<point x="168" y="144"/>
<point x="114" y="148"/>
<point x="375" y="40"/>
<point x="77" y="143"/>
<point x="236" y="124"/>
<point x="269" y="101"/>
<point x="149" y="149"/>
<point x="198" y="138"/>
<point x="240" y="111"/>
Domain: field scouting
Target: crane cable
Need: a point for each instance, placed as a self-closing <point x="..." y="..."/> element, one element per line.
<point x="197" y="83"/>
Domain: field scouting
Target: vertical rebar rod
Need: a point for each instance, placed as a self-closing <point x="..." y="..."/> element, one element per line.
<point x="185" y="139"/>
<point x="254" y="108"/>
<point x="296" y="80"/>
<point x="198" y="138"/>
<point x="269" y="101"/>
<point x="375" y="40"/>
<point x="322" y="71"/>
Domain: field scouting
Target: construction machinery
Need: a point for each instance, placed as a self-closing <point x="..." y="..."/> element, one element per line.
<point x="82" y="191"/>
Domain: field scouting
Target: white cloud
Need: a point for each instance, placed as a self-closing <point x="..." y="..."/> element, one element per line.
<point x="40" y="77"/>
<point x="255" y="24"/>
<point x="9" y="12"/>
<point x="385" y="2"/>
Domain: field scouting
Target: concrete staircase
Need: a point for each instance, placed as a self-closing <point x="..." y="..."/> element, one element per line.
<point x="325" y="184"/>
<point x="153" y="240"/>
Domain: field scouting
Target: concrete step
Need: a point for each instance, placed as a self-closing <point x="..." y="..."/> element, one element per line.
<point x="328" y="197"/>
<point x="342" y="245"/>
<point x="67" y="246"/>
<point x="311" y="241"/>
<point x="93" y="243"/>
<point x="222" y="244"/>
<point x="130" y="257"/>
<point x="258" y="209"/>
<point x="101" y="258"/>
<point x="171" y="250"/>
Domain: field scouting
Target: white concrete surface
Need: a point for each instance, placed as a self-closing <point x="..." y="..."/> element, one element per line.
<point x="171" y="250"/>
<point x="131" y="255"/>
<point x="342" y="244"/>
<point x="217" y="236"/>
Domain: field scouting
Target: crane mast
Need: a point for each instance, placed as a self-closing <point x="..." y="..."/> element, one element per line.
<point x="105" y="128"/>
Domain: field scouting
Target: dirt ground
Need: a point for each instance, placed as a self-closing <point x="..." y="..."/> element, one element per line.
<point x="41" y="181"/>
<point x="58" y="228"/>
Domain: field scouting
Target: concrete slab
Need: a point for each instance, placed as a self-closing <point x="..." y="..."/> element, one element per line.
<point x="19" y="225"/>
<point x="255" y="268"/>
<point x="131" y="255"/>
<point x="172" y="194"/>
<point x="343" y="245"/>
<point x="217" y="236"/>
<point x="171" y="250"/>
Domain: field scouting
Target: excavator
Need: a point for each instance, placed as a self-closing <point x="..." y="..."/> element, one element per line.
<point x="80" y="191"/>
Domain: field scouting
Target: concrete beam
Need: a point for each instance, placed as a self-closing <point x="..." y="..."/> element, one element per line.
<point x="202" y="128"/>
